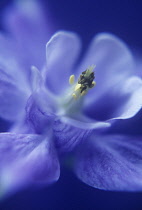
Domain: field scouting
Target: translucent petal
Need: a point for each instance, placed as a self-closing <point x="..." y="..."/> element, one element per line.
<point x="119" y="102"/>
<point x="61" y="53"/>
<point x="26" y="159"/>
<point x="31" y="29"/>
<point x="111" y="162"/>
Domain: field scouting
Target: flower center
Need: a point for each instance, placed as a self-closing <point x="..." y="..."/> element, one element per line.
<point x="84" y="83"/>
<point x="72" y="100"/>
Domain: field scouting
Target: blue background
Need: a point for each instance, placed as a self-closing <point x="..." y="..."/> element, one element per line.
<point x="88" y="17"/>
<point x="123" y="18"/>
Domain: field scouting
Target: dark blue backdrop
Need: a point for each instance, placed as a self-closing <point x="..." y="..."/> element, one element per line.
<point x="86" y="17"/>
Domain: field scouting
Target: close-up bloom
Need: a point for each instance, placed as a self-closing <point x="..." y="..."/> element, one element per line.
<point x="63" y="107"/>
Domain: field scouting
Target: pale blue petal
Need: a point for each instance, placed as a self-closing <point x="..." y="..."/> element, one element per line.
<point x="26" y="159"/>
<point x="119" y="102"/>
<point x="61" y="54"/>
<point x="70" y="132"/>
<point x="111" y="162"/>
<point x="26" y="21"/>
<point x="113" y="60"/>
<point x="12" y="98"/>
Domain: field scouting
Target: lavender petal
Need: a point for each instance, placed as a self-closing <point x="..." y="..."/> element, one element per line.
<point x="111" y="162"/>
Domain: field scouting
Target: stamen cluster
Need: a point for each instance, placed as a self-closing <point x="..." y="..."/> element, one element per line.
<point x="85" y="82"/>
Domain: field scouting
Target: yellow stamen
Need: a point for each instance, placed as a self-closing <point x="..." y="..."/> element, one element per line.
<point x="77" y="87"/>
<point x="74" y="96"/>
<point x="83" y="93"/>
<point x="93" y="84"/>
<point x="84" y="83"/>
<point x="71" y="79"/>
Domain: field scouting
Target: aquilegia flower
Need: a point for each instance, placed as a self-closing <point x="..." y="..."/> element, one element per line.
<point x="70" y="106"/>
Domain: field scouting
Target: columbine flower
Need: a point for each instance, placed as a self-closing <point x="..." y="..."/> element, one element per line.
<point x="71" y="108"/>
